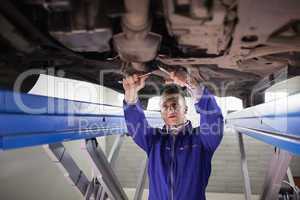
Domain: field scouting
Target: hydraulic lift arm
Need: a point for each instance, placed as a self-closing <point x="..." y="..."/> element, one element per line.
<point x="276" y="123"/>
<point x="30" y="120"/>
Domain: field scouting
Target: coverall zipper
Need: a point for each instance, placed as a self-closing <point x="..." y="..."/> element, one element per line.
<point x="172" y="166"/>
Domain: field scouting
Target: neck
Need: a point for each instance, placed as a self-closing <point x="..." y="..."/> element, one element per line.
<point x="175" y="129"/>
<point x="179" y="125"/>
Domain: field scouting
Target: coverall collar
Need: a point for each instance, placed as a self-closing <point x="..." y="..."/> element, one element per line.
<point x="186" y="128"/>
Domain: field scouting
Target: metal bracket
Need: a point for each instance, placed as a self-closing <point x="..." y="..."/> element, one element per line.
<point x="59" y="155"/>
<point x="244" y="167"/>
<point x="278" y="167"/>
<point x="114" y="152"/>
<point x="104" y="185"/>
<point x="103" y="169"/>
<point x="141" y="181"/>
<point x="112" y="158"/>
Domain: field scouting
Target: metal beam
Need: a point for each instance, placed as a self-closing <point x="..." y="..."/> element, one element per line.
<point x="60" y="156"/>
<point x="99" y="193"/>
<point x="275" y="123"/>
<point x="115" y="150"/>
<point x="276" y="173"/>
<point x="112" y="157"/>
<point x="90" y="190"/>
<point x="30" y="120"/>
<point x="110" y="183"/>
<point x="95" y="189"/>
<point x="141" y="181"/>
<point x="290" y="177"/>
<point x="244" y="167"/>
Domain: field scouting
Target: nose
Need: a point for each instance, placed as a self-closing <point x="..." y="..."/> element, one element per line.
<point x="171" y="109"/>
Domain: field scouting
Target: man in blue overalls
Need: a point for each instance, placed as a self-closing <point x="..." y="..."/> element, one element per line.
<point x="179" y="156"/>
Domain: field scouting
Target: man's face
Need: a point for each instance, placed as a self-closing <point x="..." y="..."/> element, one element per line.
<point x="173" y="109"/>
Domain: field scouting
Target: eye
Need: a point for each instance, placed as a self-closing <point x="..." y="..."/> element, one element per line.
<point x="164" y="107"/>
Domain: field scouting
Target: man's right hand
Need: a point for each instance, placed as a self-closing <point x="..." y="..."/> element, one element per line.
<point x="132" y="85"/>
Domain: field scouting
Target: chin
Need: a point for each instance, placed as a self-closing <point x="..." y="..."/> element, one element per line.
<point x="172" y="123"/>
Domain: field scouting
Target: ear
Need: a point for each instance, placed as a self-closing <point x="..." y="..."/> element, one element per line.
<point x="185" y="110"/>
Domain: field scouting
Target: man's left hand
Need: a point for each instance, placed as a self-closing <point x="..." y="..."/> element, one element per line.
<point x="182" y="78"/>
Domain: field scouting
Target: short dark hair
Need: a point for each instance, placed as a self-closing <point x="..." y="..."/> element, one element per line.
<point x="172" y="89"/>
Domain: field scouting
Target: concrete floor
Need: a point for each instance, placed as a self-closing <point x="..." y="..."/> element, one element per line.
<point x="209" y="196"/>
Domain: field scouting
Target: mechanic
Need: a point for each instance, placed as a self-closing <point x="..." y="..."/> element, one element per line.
<point x="179" y="156"/>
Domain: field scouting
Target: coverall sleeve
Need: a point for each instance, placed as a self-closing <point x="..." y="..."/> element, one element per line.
<point x="137" y="125"/>
<point x="211" y="126"/>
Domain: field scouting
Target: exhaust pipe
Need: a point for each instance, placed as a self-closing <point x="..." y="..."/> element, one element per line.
<point x="136" y="44"/>
<point x="136" y="19"/>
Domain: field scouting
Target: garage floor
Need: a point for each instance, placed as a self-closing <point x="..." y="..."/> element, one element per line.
<point x="209" y="196"/>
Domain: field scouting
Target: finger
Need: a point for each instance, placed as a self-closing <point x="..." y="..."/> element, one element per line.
<point x="135" y="77"/>
<point x="126" y="78"/>
<point x="172" y="75"/>
<point x="145" y="76"/>
<point x="130" y="80"/>
<point x="141" y="81"/>
<point x="169" y="81"/>
<point x="180" y="79"/>
<point x="182" y="83"/>
<point x="125" y="83"/>
<point x="141" y="85"/>
<point x="176" y="79"/>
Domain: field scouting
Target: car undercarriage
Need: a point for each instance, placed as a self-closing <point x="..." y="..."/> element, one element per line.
<point x="237" y="48"/>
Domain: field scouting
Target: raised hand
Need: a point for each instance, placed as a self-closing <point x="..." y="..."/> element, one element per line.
<point x="132" y="85"/>
<point x="182" y="79"/>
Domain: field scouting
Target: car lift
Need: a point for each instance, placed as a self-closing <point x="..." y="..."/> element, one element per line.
<point x="276" y="123"/>
<point x="30" y="120"/>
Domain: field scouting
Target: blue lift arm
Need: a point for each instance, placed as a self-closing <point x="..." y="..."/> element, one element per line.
<point x="28" y="120"/>
<point x="276" y="123"/>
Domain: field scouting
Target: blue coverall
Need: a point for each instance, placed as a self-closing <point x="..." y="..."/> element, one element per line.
<point x="179" y="165"/>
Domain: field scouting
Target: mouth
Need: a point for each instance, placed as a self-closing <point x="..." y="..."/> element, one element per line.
<point x="172" y="116"/>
